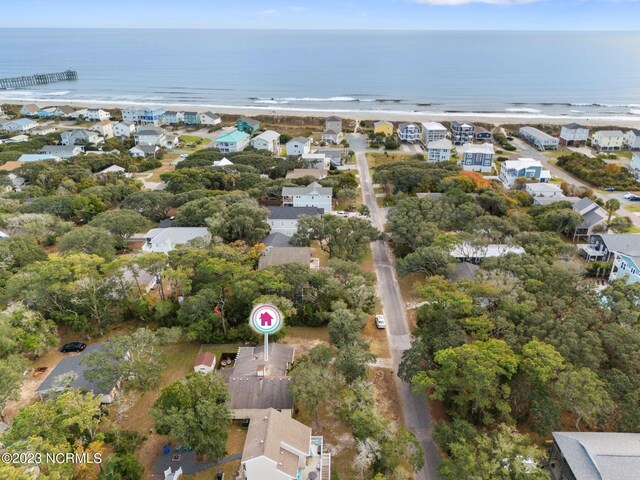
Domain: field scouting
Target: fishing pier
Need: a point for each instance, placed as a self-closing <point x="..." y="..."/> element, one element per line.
<point x="41" y="79"/>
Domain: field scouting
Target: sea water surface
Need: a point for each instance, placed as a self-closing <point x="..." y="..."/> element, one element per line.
<point x="590" y="74"/>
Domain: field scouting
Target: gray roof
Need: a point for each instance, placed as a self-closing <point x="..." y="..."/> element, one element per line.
<point x="250" y="121"/>
<point x="333" y="118"/>
<point x="550" y="200"/>
<point x="314" y="187"/>
<point x="260" y="393"/>
<point x="248" y="359"/>
<point x="268" y="136"/>
<point x="211" y="114"/>
<point x="600" y="455"/>
<point x="176" y="235"/>
<point x="591" y="218"/>
<point x="73" y="364"/>
<point x="465" y="271"/>
<point x="300" y="139"/>
<point x="329" y="132"/>
<point x="55" y="149"/>
<point x="147" y="149"/>
<point x="536" y="133"/>
<point x="277" y="239"/>
<point x="628" y="243"/>
<point x="574" y="126"/>
<point x="292" y="213"/>
<point x="583" y="203"/>
<point x="431" y="195"/>
<point x="281" y="256"/>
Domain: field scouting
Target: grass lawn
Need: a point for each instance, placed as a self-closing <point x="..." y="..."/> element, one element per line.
<point x="634" y="230"/>
<point x="633" y="208"/>
<point x="194" y="139"/>
<point x="557" y="153"/>
<point x="377" y="159"/>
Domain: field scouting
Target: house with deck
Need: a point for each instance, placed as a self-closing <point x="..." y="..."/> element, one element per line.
<point x="439" y="150"/>
<point x="462" y="133"/>
<point x="298" y="146"/>
<point x="526" y="168"/>
<point x="61" y="151"/>
<point x="574" y="135"/>
<point x="235" y="141"/>
<point x="313" y="195"/>
<point x="144" y="151"/>
<point x="163" y="240"/>
<point x="247" y="125"/>
<point x="539" y="139"/>
<point x="124" y="129"/>
<point x="144" y="115"/>
<point x="43" y="130"/>
<point x="593" y="216"/>
<point x="634" y="166"/>
<point x="20" y="125"/>
<point x="544" y="189"/>
<point x="607" y="140"/>
<point x="209" y="119"/>
<point x="171" y="117"/>
<point x="626" y="266"/>
<point x="29" y="110"/>
<point x="151" y="136"/>
<point x="73" y="137"/>
<point x="191" y="118"/>
<point x="481" y="134"/>
<point x="284" y="220"/>
<point x="268" y="140"/>
<point x="114" y="170"/>
<point x="632" y="139"/>
<point x="467" y="252"/>
<point x="432" y="132"/>
<point x="383" y="127"/>
<point x="409" y="132"/>
<point x="278" y="447"/>
<point x="603" y="246"/>
<point x="477" y="157"/>
<point x="104" y="128"/>
<point x="332" y="136"/>
<point x="97" y="115"/>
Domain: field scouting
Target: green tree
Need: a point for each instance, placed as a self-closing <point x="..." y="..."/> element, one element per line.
<point x="125" y="466"/>
<point x="89" y="240"/>
<point x="153" y="205"/>
<point x="352" y="361"/>
<point x="312" y="386"/>
<point x="44" y="228"/>
<point x="584" y="394"/>
<point x="195" y="411"/>
<point x="429" y="260"/>
<point x="120" y="223"/>
<point x="11" y="370"/>
<point x="611" y="206"/>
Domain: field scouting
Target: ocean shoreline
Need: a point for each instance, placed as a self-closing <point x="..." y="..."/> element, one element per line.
<point x="494" y="118"/>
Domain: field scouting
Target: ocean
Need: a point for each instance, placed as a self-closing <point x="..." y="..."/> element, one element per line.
<point x="554" y="74"/>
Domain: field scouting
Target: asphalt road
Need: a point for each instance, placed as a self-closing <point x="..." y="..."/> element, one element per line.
<point x="415" y="409"/>
<point x="528" y="151"/>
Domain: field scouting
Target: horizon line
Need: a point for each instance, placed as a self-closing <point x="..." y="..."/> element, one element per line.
<point x="613" y="29"/>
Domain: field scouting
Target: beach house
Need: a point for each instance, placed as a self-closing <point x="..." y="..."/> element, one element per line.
<point x="626" y="266"/>
<point x="607" y="140"/>
<point x="104" y="128"/>
<point x="592" y="215"/>
<point x="37" y="157"/>
<point x="114" y="170"/>
<point x="433" y="131"/>
<point x="47" y="112"/>
<point x="332" y="136"/>
<point x="191" y="118"/>
<point x="482" y="134"/>
<point x="313" y="195"/>
<point x="383" y="127"/>
<point x="73" y="137"/>
<point x="526" y="168"/>
<point x="97" y="115"/>
<point x="171" y="117"/>
<point x="20" y="125"/>
<point x="632" y="139"/>
<point x="574" y="135"/>
<point x="144" y="151"/>
<point x="409" y="132"/>
<point x="42" y="130"/>
<point x="543" y="190"/>
<point x="151" y="136"/>
<point x="29" y="110"/>
<point x="268" y="140"/>
<point x="634" y="166"/>
<point x="298" y="146"/>
<point x="472" y="253"/>
<point x="235" y="141"/>
<point x="439" y="150"/>
<point x="62" y="151"/>
<point x="462" y="133"/>
<point x="163" y="240"/>
<point x="143" y="115"/>
<point x="603" y="246"/>
<point x="209" y="119"/>
<point x="477" y="157"/>
<point x="539" y="139"/>
<point x="278" y="447"/>
<point x="316" y="160"/>
<point x="284" y="220"/>
<point x="247" y="125"/>
<point x="333" y="123"/>
<point x="124" y="129"/>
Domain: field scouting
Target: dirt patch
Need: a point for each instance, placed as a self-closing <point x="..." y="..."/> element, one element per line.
<point x="386" y="395"/>
<point x="376" y="338"/>
<point x="305" y="338"/>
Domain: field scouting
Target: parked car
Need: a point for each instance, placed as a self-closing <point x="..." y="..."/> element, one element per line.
<point x="610" y="189"/>
<point x="73" y="347"/>
<point x="635" y="198"/>
<point x="632" y="196"/>
<point x="380" y="322"/>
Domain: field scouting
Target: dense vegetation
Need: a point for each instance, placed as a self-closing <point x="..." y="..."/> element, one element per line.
<point x="599" y="173"/>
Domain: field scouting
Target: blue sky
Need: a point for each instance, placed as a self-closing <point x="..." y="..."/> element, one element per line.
<point x="326" y="14"/>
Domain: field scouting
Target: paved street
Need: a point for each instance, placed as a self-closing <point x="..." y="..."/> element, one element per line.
<point x="528" y="151"/>
<point x="415" y="409"/>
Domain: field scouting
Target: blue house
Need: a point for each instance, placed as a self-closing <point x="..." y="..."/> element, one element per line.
<point x="477" y="158"/>
<point x="527" y="168"/>
<point x="247" y="125"/>
<point x="173" y="118"/>
<point x="191" y="118"/>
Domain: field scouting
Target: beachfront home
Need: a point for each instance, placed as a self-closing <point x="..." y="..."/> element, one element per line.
<point x="439" y="150"/>
<point x="547" y="190"/>
<point x="316" y="160"/>
<point x="144" y="151"/>
<point x="268" y="140"/>
<point x="607" y="140"/>
<point x="333" y="123"/>
<point x="332" y="136"/>
<point x="482" y="134"/>
<point x="62" y="151"/>
<point x="574" y="135"/>
<point x="29" y="110"/>
<point x="46" y="112"/>
<point x="477" y="157"/>
<point x="603" y="246"/>
<point x="409" y="132"/>
<point x="284" y="220"/>
<point x="143" y="115"/>
<point x="209" y="119"/>
<point x="104" y="128"/>
<point x="65" y="111"/>
<point x="171" y="117"/>
<point x="247" y="125"/>
<point x="124" y="129"/>
<point x="632" y="139"/>
<point x="313" y="195"/>
<point x="79" y="114"/>
<point x="278" y="447"/>
<point x="73" y="137"/>
<point x="20" y="125"/>
<point x="594" y="456"/>
<point x="526" y="168"/>
<point x="191" y="118"/>
<point x="539" y="139"/>
<point x="163" y="240"/>
<point x="593" y="215"/>
<point x="298" y="146"/>
<point x="635" y="165"/>
<point x="462" y="133"/>
<point x="14" y="139"/>
<point x="97" y="115"/>
<point x="433" y="131"/>
<point x="235" y="141"/>
<point x="383" y="127"/>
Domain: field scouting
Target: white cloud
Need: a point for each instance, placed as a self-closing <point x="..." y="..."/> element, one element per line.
<point x="466" y="2"/>
<point x="266" y="13"/>
<point x="297" y="9"/>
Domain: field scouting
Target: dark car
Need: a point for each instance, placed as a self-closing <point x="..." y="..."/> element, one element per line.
<point x="610" y="189"/>
<point x="220" y="475"/>
<point x="73" y="347"/>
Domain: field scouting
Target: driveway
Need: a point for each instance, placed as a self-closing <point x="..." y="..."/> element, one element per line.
<point x="415" y="409"/>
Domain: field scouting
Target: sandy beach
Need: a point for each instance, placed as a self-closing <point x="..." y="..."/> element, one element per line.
<point x="622" y="121"/>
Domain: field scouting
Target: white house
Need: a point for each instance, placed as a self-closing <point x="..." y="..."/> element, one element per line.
<point x="209" y="119"/>
<point x="14" y="139"/>
<point x="124" y="129"/>
<point x="409" y="132"/>
<point x="313" y="195"/>
<point x="539" y="139"/>
<point x="573" y="135"/>
<point x="548" y="190"/>
<point x="43" y="130"/>
<point x="235" y="141"/>
<point x="20" y="125"/>
<point x="298" y="146"/>
<point x="333" y="123"/>
<point x="477" y="157"/>
<point x="104" y="128"/>
<point x="163" y="240"/>
<point x="268" y="140"/>
<point x="284" y="220"/>
<point x="635" y="165"/>
<point x="151" y="136"/>
<point x="433" y="131"/>
<point x="332" y="136"/>
<point x="72" y="137"/>
<point x="281" y="448"/>
<point x="62" y="151"/>
<point x="607" y="140"/>
<point x="143" y="151"/>
<point x="225" y="162"/>
<point x="114" y="169"/>
<point x="78" y="114"/>
<point x="29" y="110"/>
<point x="97" y="115"/>
<point x="143" y="115"/>
<point x="468" y="252"/>
<point x="316" y="160"/>
<point x="462" y="133"/>
<point x="439" y="150"/>
<point x="626" y="266"/>
<point x="37" y="157"/>
<point x="527" y="168"/>
<point x="632" y="139"/>
<point x="592" y="215"/>
<point x="205" y="362"/>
